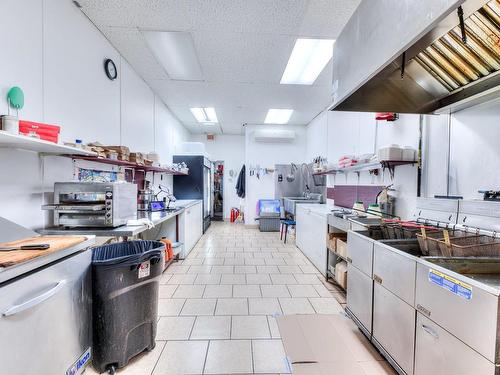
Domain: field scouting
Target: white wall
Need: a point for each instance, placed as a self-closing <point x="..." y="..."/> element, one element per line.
<point x="474" y="151"/>
<point x="359" y="133"/>
<point x="334" y="134"/>
<point x="56" y="56"/>
<point x="266" y="155"/>
<point x="231" y="150"/>
<point x="317" y="137"/>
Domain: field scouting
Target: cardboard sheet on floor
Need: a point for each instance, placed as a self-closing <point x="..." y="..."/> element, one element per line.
<point x="329" y="345"/>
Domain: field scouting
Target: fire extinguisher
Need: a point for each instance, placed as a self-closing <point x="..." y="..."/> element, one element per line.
<point x="234" y="214"/>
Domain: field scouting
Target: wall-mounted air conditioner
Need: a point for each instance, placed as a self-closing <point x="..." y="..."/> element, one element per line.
<point x="274" y="136"/>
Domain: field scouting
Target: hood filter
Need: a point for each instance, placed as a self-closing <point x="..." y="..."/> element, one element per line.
<point x="456" y="64"/>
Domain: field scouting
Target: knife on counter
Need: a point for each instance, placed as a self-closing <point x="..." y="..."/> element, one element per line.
<point x="42" y="246"/>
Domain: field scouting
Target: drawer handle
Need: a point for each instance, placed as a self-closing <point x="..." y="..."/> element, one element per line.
<point x="430" y="331"/>
<point x="348" y="259"/>
<point x="423" y="310"/>
<point x="34" y="301"/>
<point x="377" y="279"/>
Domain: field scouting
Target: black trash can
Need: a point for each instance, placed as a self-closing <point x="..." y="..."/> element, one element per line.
<point x="125" y="283"/>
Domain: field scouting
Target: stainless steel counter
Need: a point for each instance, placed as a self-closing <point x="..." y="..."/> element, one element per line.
<point x="125" y="230"/>
<point x="399" y="298"/>
<point x="11" y="272"/>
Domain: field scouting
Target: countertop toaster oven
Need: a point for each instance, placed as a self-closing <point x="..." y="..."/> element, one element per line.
<point x="93" y="204"/>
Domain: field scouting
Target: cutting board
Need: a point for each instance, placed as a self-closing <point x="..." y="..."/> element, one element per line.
<point x="57" y="243"/>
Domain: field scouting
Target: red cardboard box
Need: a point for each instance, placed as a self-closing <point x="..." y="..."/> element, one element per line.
<point x="43" y="131"/>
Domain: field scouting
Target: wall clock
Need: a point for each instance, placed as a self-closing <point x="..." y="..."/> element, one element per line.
<point x="110" y="69"/>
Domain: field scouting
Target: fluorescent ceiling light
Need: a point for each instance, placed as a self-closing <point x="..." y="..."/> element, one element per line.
<point x="308" y="59"/>
<point x="176" y="53"/>
<point x="278" y="116"/>
<point x="205" y="115"/>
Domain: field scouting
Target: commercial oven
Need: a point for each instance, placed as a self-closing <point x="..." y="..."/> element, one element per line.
<point x="93" y="204"/>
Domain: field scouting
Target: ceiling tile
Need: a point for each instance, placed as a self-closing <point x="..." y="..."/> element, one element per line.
<point x="327" y="18"/>
<point x="243" y="57"/>
<point x="243" y="47"/>
<point x="131" y="44"/>
<point x="153" y="14"/>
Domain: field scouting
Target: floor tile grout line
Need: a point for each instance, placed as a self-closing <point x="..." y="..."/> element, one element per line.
<point x="251" y="353"/>
<point x="159" y="357"/>
<point x="206" y="357"/>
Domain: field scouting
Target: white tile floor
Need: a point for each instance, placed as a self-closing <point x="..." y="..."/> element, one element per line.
<point x="217" y="307"/>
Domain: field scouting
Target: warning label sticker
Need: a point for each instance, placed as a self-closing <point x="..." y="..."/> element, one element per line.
<point x="451" y="284"/>
<point x="144" y="269"/>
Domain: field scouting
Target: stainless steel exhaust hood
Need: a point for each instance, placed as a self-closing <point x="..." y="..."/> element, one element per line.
<point x="426" y="56"/>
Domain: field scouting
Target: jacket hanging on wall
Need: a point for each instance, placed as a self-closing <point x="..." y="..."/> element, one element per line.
<point x="240" y="184"/>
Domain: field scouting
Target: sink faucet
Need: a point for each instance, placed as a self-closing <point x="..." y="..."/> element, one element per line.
<point x="307" y="192"/>
<point x="168" y="195"/>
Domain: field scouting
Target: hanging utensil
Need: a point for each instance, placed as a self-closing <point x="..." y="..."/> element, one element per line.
<point x="291" y="176"/>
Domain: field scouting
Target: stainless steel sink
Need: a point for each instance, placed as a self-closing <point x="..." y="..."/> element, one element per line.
<point x="290" y="203"/>
<point x="367" y="221"/>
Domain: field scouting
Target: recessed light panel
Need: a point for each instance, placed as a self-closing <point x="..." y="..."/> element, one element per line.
<point x="308" y="59"/>
<point x="205" y="115"/>
<point x="176" y="53"/>
<point x="278" y="116"/>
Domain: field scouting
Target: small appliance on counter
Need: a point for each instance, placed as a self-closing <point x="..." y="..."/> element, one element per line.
<point x="145" y="197"/>
<point x="149" y="201"/>
<point x="93" y="204"/>
<point x="490" y="195"/>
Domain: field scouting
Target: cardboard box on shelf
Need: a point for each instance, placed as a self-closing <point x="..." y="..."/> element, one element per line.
<point x="329" y="344"/>
<point x="123" y="152"/>
<point x="332" y="239"/>
<point x="341" y="247"/>
<point x="124" y="157"/>
<point x="137" y="157"/>
<point x="341" y="274"/>
<point x="119" y="149"/>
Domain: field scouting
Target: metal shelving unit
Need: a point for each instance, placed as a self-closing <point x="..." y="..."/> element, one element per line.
<point x="127" y="164"/>
<point x="385" y="164"/>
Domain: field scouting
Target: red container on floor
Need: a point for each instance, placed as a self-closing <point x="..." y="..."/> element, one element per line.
<point x="43" y="131"/>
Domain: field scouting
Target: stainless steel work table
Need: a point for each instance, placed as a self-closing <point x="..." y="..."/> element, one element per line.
<point x="124" y="230"/>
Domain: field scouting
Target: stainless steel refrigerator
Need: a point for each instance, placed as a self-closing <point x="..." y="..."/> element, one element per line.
<point x="45" y="310"/>
<point x="197" y="184"/>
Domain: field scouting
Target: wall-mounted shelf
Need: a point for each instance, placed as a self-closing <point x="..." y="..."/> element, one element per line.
<point x="387" y="164"/>
<point x="127" y="164"/>
<point x="22" y="142"/>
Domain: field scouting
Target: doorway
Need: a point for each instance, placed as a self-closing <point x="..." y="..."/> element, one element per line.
<point x="218" y="191"/>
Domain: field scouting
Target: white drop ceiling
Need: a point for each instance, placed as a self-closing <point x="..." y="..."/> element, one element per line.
<point x="243" y="47"/>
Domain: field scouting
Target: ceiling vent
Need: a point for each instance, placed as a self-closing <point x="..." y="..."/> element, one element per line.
<point x="274" y="136"/>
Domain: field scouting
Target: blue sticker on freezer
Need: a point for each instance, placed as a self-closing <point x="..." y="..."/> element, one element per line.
<point x="82" y="362"/>
<point x="451" y="284"/>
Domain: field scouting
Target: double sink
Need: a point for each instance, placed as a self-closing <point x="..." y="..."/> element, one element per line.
<point x="290" y="203"/>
